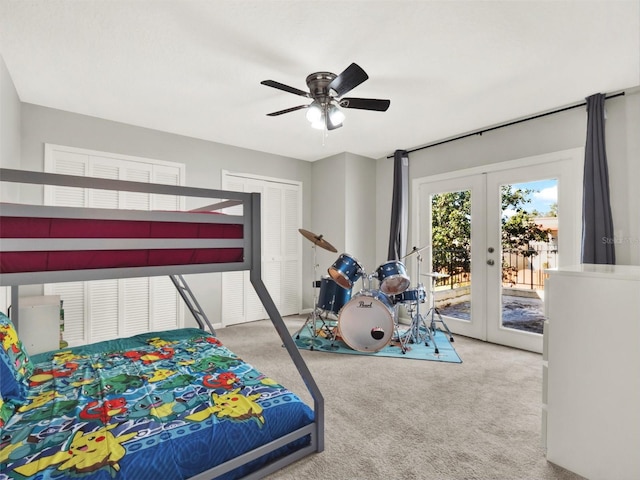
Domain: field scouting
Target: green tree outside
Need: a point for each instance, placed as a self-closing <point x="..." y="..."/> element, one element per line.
<point x="451" y="228"/>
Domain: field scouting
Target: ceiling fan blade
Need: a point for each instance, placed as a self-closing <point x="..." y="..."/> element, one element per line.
<point x="286" y="88"/>
<point x="292" y="109"/>
<point x="348" y="80"/>
<point x="366" y="104"/>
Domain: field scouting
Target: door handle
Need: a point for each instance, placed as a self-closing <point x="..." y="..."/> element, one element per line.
<point x="490" y="262"/>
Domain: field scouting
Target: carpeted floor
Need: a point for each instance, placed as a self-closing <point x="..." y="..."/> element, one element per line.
<point x="390" y="418"/>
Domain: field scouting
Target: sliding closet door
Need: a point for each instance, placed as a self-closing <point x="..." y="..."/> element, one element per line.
<point x="107" y="309"/>
<point x="281" y="252"/>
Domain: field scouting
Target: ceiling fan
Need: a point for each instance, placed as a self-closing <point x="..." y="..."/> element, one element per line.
<point x="326" y="90"/>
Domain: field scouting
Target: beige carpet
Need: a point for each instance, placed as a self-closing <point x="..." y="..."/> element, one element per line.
<point x="389" y="418"/>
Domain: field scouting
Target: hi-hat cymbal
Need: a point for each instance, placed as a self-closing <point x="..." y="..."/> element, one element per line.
<point x="317" y="240"/>
<point x="415" y="250"/>
<point x="436" y="275"/>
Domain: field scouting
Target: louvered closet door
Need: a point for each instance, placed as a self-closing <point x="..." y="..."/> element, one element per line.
<point x="291" y="254"/>
<point x="281" y="270"/>
<point x="107" y="309"/>
<point x="74" y="294"/>
<point x="280" y="262"/>
<point x="240" y="303"/>
<point x="166" y="308"/>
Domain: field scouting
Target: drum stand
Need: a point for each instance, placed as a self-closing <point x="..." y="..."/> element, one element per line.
<point x="433" y="311"/>
<point x="316" y="313"/>
<point x="418" y="330"/>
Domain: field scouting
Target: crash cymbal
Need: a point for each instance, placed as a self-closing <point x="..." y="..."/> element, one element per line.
<point x="435" y="275"/>
<point x="415" y="250"/>
<point x="317" y="240"/>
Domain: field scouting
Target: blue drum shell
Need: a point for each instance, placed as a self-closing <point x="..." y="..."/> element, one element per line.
<point x="332" y="297"/>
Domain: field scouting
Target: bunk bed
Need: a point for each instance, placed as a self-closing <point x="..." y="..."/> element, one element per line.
<point x="171" y="404"/>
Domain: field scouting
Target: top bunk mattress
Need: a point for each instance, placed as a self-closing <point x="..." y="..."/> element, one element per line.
<point x="88" y="243"/>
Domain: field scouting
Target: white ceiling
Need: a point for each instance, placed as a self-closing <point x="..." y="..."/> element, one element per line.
<point x="194" y="67"/>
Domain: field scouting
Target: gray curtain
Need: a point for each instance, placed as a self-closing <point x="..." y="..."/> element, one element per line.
<point x="399" y="206"/>
<point x="597" y="223"/>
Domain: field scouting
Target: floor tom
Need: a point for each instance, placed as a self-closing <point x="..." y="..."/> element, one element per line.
<point x="332" y="297"/>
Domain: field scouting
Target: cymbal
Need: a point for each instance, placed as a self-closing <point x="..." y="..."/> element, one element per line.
<point x="317" y="240"/>
<point x="436" y="275"/>
<point x="415" y="250"/>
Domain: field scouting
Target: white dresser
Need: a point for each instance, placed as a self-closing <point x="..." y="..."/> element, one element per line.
<point x="591" y="377"/>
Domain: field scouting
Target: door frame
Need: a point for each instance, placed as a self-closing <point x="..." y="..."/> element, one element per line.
<point x="570" y="162"/>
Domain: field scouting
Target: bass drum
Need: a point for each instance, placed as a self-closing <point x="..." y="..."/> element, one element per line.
<point x="366" y="322"/>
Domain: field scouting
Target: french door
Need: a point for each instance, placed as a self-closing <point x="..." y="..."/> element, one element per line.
<point x="491" y="235"/>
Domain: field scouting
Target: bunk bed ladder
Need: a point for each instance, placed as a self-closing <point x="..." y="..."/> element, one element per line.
<point x="191" y="302"/>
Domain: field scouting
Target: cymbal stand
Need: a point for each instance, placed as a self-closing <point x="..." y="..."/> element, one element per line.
<point x="418" y="330"/>
<point x="433" y="311"/>
<point x="316" y="313"/>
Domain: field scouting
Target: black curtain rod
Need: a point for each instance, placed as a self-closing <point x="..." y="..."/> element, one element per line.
<point x="515" y="122"/>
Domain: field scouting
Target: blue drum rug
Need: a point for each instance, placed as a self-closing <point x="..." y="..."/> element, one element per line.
<point x="324" y="341"/>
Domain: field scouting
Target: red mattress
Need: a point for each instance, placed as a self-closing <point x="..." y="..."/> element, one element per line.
<point x="40" y="227"/>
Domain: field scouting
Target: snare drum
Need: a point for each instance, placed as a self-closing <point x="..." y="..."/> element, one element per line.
<point x="393" y="277"/>
<point x="332" y="296"/>
<point x="366" y="322"/>
<point x="346" y="270"/>
<point x="414" y="295"/>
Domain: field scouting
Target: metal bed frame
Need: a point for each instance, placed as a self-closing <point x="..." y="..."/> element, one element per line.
<point x="250" y="243"/>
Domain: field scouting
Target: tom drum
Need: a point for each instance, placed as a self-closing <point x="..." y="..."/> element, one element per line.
<point x="414" y="295"/>
<point x="346" y="270"/>
<point x="393" y="277"/>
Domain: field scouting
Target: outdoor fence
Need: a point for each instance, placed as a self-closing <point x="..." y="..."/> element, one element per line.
<point x="520" y="268"/>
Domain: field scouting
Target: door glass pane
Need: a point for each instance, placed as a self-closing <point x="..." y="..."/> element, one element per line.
<point x="529" y="238"/>
<point x="450" y="278"/>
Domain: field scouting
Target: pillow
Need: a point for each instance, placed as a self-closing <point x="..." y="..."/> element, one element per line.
<point x="15" y="365"/>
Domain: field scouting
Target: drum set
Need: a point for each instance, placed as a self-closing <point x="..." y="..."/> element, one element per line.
<point x="368" y="321"/>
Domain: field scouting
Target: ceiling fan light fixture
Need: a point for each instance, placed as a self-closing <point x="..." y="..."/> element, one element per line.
<point x="318" y="124"/>
<point x="314" y="112"/>
<point x="326" y="92"/>
<point x="336" y="117"/>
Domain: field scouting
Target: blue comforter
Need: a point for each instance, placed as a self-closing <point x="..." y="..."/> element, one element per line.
<point x="163" y="405"/>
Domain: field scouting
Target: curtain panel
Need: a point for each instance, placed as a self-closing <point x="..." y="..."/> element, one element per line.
<point x="399" y="206"/>
<point x="597" y="222"/>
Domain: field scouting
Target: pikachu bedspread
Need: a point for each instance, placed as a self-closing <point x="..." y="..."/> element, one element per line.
<point x="159" y="405"/>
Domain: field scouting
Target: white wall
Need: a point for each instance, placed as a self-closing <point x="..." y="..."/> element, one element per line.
<point x="9" y="129"/>
<point x="328" y="218"/>
<point x="360" y="207"/>
<point x="343" y="211"/>
<point x="9" y="145"/>
<point x="544" y="135"/>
